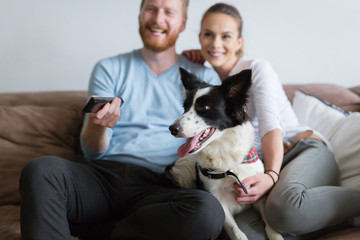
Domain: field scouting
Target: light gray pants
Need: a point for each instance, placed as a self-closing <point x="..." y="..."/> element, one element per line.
<point x="306" y="199"/>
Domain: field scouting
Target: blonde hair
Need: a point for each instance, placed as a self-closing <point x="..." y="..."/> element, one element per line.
<point x="231" y="11"/>
<point x="184" y="5"/>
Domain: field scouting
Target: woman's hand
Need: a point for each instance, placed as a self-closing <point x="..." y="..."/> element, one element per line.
<point x="194" y="55"/>
<point x="260" y="184"/>
<point x="257" y="186"/>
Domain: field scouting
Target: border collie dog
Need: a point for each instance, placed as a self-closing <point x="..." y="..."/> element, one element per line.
<point x="219" y="150"/>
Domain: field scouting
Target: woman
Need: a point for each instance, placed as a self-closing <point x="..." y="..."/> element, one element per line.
<point x="304" y="196"/>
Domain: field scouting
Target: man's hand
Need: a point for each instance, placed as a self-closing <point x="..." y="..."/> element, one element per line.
<point x="94" y="132"/>
<point x="257" y="186"/>
<point x="108" y="116"/>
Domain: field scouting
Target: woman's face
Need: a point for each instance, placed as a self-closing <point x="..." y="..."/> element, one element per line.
<point x="219" y="39"/>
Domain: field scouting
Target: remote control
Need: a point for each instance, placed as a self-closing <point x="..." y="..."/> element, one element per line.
<point x="96" y="103"/>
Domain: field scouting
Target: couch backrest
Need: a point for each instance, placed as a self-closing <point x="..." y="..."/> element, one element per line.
<point x="33" y="125"/>
<point x="347" y="99"/>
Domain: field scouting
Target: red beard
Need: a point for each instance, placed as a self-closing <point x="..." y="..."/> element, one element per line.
<point x="154" y="44"/>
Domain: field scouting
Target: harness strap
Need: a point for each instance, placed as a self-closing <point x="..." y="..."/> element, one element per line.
<point x="209" y="173"/>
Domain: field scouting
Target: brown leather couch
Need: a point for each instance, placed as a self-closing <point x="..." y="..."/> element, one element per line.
<point x="35" y="124"/>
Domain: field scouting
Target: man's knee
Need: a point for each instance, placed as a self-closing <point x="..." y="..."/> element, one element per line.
<point x="37" y="170"/>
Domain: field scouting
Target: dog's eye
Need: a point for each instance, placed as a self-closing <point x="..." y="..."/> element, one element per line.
<point x="203" y="108"/>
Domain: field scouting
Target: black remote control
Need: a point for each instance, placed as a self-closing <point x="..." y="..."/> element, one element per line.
<point x="96" y="103"/>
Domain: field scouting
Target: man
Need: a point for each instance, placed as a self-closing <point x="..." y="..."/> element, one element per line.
<point x="121" y="193"/>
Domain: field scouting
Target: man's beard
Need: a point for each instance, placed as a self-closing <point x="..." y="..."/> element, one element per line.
<point x="154" y="44"/>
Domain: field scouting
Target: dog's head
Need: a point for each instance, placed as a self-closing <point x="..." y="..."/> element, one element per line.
<point x="209" y="110"/>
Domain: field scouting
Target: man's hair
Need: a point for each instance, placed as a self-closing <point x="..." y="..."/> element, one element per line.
<point x="185" y="6"/>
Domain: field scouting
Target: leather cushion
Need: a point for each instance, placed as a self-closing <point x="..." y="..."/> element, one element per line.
<point x="28" y="132"/>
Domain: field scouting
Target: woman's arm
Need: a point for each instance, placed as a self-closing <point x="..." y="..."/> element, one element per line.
<point x="272" y="151"/>
<point x="265" y="90"/>
<point x="194" y="55"/>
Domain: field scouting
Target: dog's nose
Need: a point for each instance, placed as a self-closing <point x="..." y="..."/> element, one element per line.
<point x="175" y="129"/>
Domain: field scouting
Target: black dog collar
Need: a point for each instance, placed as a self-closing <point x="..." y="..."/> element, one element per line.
<point x="210" y="173"/>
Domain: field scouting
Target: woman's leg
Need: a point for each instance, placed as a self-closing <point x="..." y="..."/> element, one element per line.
<point x="306" y="198"/>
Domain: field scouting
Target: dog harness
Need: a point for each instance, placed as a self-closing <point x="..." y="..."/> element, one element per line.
<point x="251" y="157"/>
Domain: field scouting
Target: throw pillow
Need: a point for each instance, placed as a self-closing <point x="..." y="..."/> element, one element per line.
<point x="340" y="127"/>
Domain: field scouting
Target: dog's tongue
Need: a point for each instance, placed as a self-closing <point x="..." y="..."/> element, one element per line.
<point x="189" y="145"/>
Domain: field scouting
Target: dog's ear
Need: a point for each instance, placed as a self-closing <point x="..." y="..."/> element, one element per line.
<point x="238" y="85"/>
<point x="190" y="81"/>
<point x="235" y="89"/>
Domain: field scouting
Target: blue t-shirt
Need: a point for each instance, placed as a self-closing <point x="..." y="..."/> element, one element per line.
<point x="151" y="104"/>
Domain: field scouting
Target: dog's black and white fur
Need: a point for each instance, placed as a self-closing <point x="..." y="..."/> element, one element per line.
<point x="219" y="137"/>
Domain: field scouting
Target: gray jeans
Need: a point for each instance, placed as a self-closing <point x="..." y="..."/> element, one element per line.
<point x="307" y="198"/>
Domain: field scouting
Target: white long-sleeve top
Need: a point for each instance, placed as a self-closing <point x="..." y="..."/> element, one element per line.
<point x="268" y="106"/>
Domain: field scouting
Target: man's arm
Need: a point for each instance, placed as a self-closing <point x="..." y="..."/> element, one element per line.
<point x="95" y="134"/>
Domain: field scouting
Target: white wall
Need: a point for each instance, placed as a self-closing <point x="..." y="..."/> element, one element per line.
<point x="53" y="45"/>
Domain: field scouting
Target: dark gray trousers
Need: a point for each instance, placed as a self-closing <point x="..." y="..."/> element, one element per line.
<point x="111" y="200"/>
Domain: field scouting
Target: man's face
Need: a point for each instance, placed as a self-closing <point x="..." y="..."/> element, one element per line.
<point x="160" y="23"/>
